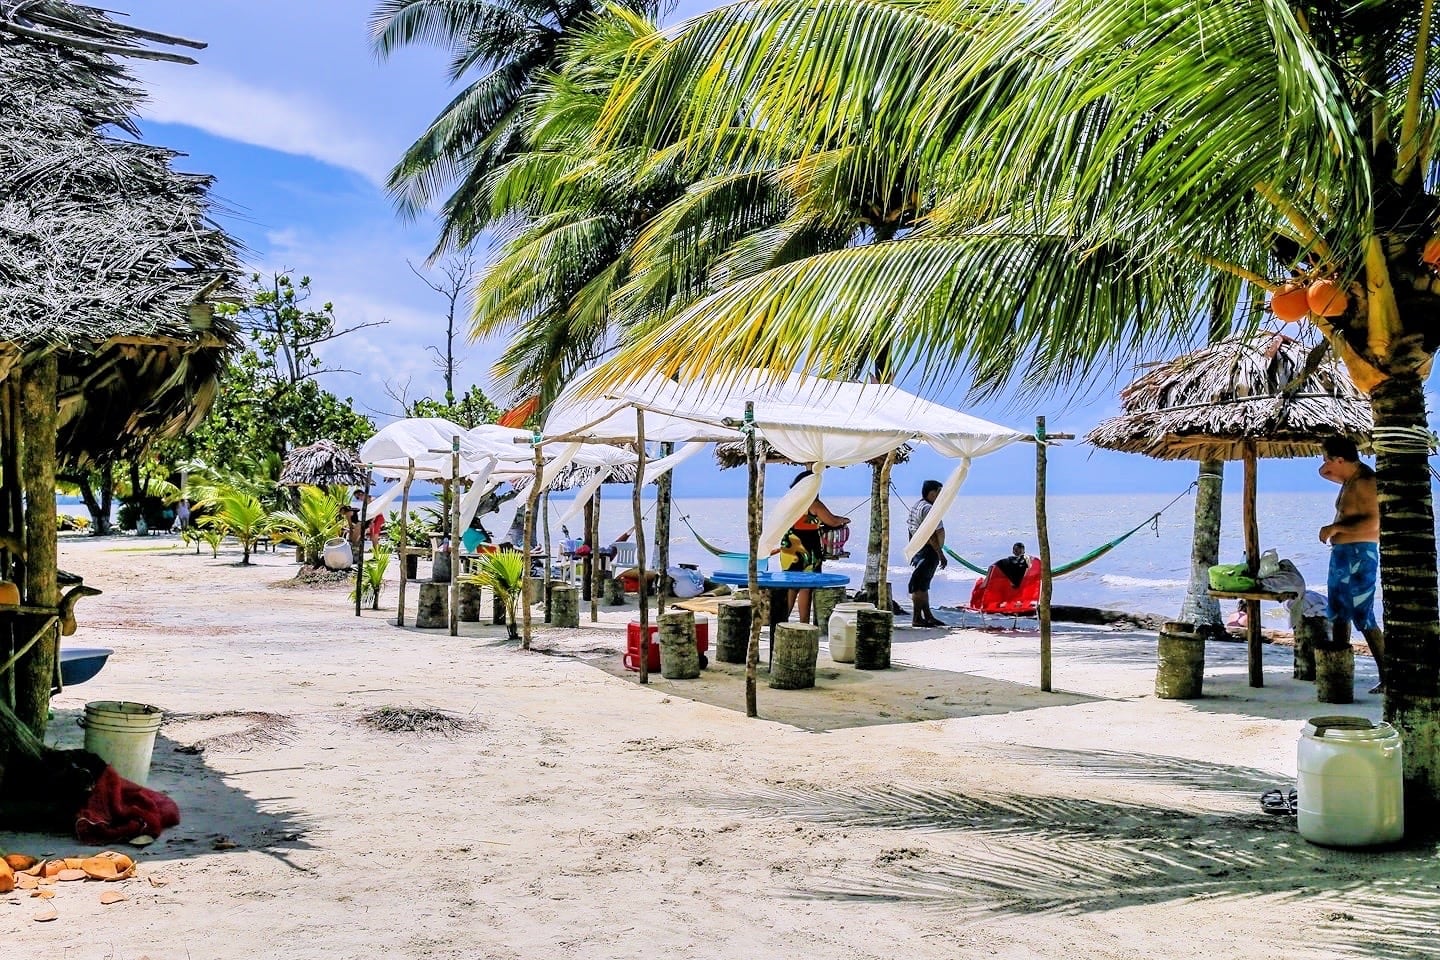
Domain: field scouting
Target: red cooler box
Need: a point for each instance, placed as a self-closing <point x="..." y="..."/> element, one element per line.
<point x="632" y="644"/>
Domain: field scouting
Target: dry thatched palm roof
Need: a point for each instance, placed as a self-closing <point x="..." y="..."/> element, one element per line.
<point x="322" y="464"/>
<point x="104" y="246"/>
<point x="1256" y="389"/>
<point x="575" y="477"/>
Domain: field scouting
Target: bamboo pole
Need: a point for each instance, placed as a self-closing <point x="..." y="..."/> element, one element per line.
<point x="455" y="536"/>
<point x="1042" y="537"/>
<point x="596" y="565"/>
<point x="404" y="541"/>
<point x="588" y="537"/>
<point x="882" y="587"/>
<point x="759" y="607"/>
<point x="662" y="533"/>
<point x="360" y="548"/>
<point x="1252" y="566"/>
<point x="640" y="544"/>
<point x="528" y="534"/>
<point x="35" y="673"/>
<point x="545" y="526"/>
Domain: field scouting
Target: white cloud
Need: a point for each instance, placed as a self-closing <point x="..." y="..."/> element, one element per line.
<point x="290" y="122"/>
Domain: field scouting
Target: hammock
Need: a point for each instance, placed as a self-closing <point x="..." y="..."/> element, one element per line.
<point x="832" y="539"/>
<point x="1152" y="521"/>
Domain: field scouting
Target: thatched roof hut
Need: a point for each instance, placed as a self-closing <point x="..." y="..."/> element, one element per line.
<point x="322" y="464"/>
<point x="1258" y="391"/>
<point x="104" y="247"/>
<point x="109" y="259"/>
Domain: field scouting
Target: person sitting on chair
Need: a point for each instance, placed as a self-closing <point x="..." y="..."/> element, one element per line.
<point x="1015" y="565"/>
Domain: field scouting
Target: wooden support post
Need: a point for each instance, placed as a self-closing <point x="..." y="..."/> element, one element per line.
<point x="533" y="504"/>
<point x="1042" y="537"/>
<point x="597" y="565"/>
<point x="455" y="565"/>
<point x="759" y="609"/>
<point x="882" y="587"/>
<point x="1252" y="565"/>
<point x="662" y="533"/>
<point x="35" y="673"/>
<point x="404" y="542"/>
<point x="360" y="547"/>
<point x="587" y="583"/>
<point x="640" y="545"/>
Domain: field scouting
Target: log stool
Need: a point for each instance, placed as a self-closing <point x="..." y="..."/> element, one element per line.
<point x="497" y="610"/>
<point x="469" y="610"/>
<point x="1335" y="675"/>
<point x="433" y="609"/>
<point x="792" y="659"/>
<point x="1312" y="632"/>
<point x="823" y="604"/>
<point x="873" y="631"/>
<point x="679" y="658"/>
<point x="565" y="606"/>
<point x="614" y="592"/>
<point x="550" y="587"/>
<point x="732" y="642"/>
<point x="534" y="591"/>
<point x="1180" y="666"/>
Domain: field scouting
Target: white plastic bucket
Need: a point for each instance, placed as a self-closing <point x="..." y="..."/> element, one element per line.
<point x="842" y="630"/>
<point x="123" y="735"/>
<point x="1350" y="787"/>
<point x="338" y="555"/>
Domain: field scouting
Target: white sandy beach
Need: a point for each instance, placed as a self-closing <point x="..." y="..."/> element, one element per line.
<point x="585" y="816"/>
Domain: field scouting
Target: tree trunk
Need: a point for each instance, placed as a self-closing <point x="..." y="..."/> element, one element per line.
<point x="1407" y="575"/>
<point x="107" y="499"/>
<point x="662" y="533"/>
<point x="875" y="560"/>
<point x="35" y="673"/>
<point x="1199" y="607"/>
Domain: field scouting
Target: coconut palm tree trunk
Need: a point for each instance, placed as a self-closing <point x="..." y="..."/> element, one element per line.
<point x="1407" y="573"/>
<point x="874" y="548"/>
<point x="1200" y="608"/>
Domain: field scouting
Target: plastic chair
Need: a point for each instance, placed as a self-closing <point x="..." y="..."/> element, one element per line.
<point x="994" y="593"/>
<point x="626" y="554"/>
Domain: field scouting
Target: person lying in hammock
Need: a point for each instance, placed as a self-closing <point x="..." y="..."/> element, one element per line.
<point x="1015" y="565"/>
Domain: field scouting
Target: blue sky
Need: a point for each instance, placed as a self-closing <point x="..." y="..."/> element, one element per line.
<point x="300" y="122"/>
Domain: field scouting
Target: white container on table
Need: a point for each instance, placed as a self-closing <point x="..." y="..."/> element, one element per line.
<point x="842" y="630"/>
<point x="1350" y="787"/>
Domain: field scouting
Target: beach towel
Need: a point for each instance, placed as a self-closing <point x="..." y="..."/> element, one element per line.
<point x="121" y="810"/>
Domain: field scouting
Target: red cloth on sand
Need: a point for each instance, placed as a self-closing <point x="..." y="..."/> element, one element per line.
<point x="121" y="810"/>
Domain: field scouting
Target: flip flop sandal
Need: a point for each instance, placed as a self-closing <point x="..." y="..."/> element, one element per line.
<point x="1279" y="803"/>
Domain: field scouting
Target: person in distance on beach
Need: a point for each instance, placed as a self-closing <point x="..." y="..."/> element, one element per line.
<point x="930" y="558"/>
<point x="1354" y="538"/>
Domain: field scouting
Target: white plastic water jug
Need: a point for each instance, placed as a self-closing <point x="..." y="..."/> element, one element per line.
<point x="841" y="628"/>
<point x="1350" y="787"/>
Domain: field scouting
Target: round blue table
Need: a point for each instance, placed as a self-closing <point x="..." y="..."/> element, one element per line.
<point x="783" y="579"/>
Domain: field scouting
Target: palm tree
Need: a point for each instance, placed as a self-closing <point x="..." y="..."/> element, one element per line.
<point x="1093" y="174"/>
<point x="510" y="43"/>
<point x="314" y="520"/>
<point x="238" y="514"/>
<point x="504" y="573"/>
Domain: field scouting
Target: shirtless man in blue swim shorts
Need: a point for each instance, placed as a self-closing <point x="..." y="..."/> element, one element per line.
<point x="1354" y="540"/>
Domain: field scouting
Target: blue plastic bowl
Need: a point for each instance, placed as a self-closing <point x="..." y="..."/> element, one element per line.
<point x="78" y="664"/>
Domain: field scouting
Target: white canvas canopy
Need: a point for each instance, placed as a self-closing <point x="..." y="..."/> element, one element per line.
<point x="809" y="419"/>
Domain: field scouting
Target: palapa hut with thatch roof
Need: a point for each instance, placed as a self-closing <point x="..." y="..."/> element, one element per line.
<point x="109" y="260"/>
<point x="1263" y="395"/>
<point x="324" y="463"/>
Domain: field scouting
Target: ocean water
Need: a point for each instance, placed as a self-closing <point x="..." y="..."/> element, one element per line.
<point x="1147" y="573"/>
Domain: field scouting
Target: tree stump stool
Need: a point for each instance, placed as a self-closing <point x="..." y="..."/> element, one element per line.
<point x="679" y="659"/>
<point x="432" y="611"/>
<point x="497" y="610"/>
<point x="614" y="592"/>
<point x="822" y="604"/>
<point x="534" y="591"/>
<point x="1312" y="632"/>
<point x="550" y="588"/>
<point x="792" y="662"/>
<point x="1180" y="666"/>
<point x="564" y="606"/>
<point x="873" y="632"/>
<point x="469" y="610"/>
<point x="1334" y="675"/>
<point x="732" y="642"/>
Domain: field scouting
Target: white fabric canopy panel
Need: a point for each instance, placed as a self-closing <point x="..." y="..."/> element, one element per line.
<point x="809" y="419"/>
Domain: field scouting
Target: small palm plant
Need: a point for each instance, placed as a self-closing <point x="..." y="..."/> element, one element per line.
<point x="237" y="514"/>
<point x="212" y="535"/>
<point x="372" y="581"/>
<point x="315" y="520"/>
<point x="503" y="573"/>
